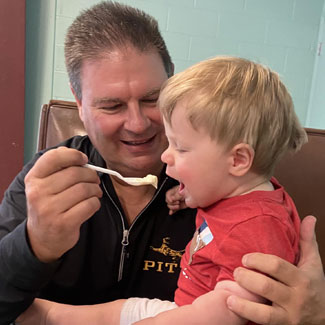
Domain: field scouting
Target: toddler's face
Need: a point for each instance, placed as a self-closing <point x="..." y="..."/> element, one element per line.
<point x="200" y="164"/>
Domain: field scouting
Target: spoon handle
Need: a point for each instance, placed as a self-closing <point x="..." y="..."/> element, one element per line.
<point x="104" y="170"/>
<point x="135" y="181"/>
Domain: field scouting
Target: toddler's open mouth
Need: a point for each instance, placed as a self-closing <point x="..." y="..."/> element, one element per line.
<point x="181" y="187"/>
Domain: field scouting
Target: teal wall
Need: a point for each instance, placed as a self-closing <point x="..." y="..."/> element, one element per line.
<point x="282" y="34"/>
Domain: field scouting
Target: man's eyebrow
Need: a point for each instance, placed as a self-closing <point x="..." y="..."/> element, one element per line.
<point x="114" y="100"/>
<point x="152" y="92"/>
<point x="105" y="100"/>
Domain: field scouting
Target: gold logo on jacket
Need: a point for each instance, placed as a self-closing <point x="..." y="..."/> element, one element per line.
<point x="160" y="266"/>
<point x="167" y="251"/>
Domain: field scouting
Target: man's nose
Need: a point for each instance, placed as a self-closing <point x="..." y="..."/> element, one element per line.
<point x="136" y="120"/>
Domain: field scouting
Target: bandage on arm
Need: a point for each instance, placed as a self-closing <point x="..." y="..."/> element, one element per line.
<point x="135" y="309"/>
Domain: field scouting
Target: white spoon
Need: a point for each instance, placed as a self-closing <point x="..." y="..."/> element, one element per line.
<point x="135" y="181"/>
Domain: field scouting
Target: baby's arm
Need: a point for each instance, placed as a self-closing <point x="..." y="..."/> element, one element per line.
<point x="43" y="312"/>
<point x="36" y="313"/>
<point x="136" y="309"/>
<point x="210" y="308"/>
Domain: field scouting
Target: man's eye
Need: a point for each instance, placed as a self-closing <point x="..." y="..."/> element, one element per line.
<point x="111" y="108"/>
<point x="150" y="100"/>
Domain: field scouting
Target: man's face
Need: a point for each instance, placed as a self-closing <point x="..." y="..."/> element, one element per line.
<point x="118" y="108"/>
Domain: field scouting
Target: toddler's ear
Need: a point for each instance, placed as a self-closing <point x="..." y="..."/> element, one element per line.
<point x="242" y="156"/>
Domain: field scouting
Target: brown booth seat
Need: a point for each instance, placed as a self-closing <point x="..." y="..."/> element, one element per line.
<point x="302" y="174"/>
<point x="59" y="121"/>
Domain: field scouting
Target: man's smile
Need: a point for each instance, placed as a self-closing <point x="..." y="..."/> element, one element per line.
<point x="138" y="142"/>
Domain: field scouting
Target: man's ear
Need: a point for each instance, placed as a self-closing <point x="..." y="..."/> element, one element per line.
<point x="78" y="101"/>
<point x="242" y="157"/>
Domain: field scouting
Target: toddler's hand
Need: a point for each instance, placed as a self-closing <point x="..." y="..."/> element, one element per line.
<point x="174" y="200"/>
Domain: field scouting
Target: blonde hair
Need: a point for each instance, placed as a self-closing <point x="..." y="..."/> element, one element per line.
<point x="237" y="101"/>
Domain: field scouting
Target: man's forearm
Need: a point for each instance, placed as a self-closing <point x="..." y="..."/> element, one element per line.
<point x="21" y="275"/>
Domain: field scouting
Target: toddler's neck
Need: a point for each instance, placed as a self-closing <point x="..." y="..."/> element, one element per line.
<point x="264" y="185"/>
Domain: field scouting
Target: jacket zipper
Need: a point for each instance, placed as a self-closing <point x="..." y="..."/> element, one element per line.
<point x="124" y="242"/>
<point x="126" y="232"/>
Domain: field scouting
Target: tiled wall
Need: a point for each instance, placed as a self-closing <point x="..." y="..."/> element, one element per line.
<point x="280" y="33"/>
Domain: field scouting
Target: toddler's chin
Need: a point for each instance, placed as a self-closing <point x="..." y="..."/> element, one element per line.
<point x="191" y="204"/>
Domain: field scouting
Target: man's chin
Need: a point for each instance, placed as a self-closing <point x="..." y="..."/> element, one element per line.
<point x="143" y="166"/>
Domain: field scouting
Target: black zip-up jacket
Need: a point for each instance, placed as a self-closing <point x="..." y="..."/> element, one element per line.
<point x="110" y="260"/>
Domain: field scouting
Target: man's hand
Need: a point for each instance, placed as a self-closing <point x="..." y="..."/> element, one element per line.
<point x="298" y="296"/>
<point x="61" y="195"/>
<point x="174" y="200"/>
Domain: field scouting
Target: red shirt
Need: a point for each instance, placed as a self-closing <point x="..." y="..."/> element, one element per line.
<point x="260" y="221"/>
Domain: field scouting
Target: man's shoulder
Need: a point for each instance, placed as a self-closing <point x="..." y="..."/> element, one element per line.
<point x="83" y="144"/>
<point x="78" y="142"/>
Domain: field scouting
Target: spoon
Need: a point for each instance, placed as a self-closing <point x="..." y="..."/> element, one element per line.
<point x="135" y="181"/>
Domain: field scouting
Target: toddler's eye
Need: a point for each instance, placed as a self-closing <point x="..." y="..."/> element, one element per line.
<point x="180" y="150"/>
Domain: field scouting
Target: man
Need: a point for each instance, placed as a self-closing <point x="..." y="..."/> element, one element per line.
<point x="70" y="235"/>
<point x="89" y="238"/>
